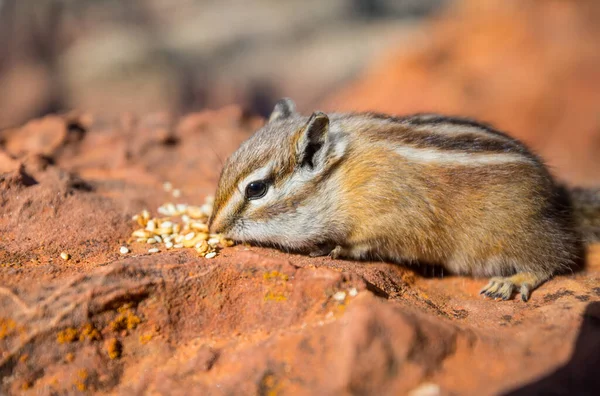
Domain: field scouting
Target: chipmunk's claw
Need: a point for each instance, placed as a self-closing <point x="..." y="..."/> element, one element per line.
<point x="499" y="288"/>
<point x="336" y="253"/>
<point x="321" y="250"/>
<point x="504" y="288"/>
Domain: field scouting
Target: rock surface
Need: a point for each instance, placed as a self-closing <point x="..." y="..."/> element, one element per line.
<point x="251" y="320"/>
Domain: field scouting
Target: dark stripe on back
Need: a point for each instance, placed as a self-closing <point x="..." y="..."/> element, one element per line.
<point x="468" y="141"/>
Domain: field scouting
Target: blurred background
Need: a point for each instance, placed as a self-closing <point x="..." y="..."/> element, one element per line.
<point x="530" y="67"/>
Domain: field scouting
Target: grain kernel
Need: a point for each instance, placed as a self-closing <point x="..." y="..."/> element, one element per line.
<point x="140" y="233"/>
<point x="151" y="226"/>
<point x="190" y="236"/>
<point x="123" y="250"/>
<point x="199" y="226"/>
<point x="339" y="296"/>
<point x="195" y="212"/>
<point x="65" y="256"/>
<point x="211" y="255"/>
<point x="153" y="250"/>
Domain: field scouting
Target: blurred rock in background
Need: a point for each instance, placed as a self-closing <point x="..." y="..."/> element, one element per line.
<point x="531" y="68"/>
<point x="143" y="56"/>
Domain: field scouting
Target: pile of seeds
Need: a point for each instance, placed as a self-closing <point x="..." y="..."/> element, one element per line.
<point x="180" y="226"/>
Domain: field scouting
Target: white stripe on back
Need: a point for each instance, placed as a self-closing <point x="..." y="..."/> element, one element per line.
<point x="427" y="155"/>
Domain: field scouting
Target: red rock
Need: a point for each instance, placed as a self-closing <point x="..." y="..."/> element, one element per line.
<point x="252" y="320"/>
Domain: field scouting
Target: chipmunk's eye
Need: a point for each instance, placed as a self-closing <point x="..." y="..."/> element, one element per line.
<point x="256" y="189"/>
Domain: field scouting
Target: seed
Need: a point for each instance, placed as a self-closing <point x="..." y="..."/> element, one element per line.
<point x="65" y="256"/>
<point x="185" y="218"/>
<point x="163" y="231"/>
<point x="140" y="233"/>
<point x="190" y="242"/>
<point x="353" y="292"/>
<point x="179" y="238"/>
<point x="151" y="226"/>
<point x="163" y="211"/>
<point x="167" y="186"/>
<point x="158" y="239"/>
<point x="153" y="250"/>
<point x="151" y="241"/>
<point x="177" y="193"/>
<point x="213" y="241"/>
<point x="339" y="296"/>
<point x="199" y="226"/>
<point x="171" y="209"/>
<point x="209" y="199"/>
<point x="176" y="228"/>
<point x="169" y="245"/>
<point x="145" y="214"/>
<point x="123" y="250"/>
<point x="202" y="247"/>
<point x="210" y="255"/>
<point x="181" y="208"/>
<point x="141" y="240"/>
<point x="207" y="209"/>
<point x="178" y="245"/>
<point x="195" y="212"/>
<point x="226" y="242"/>
<point x="190" y="236"/>
<point x="166" y="224"/>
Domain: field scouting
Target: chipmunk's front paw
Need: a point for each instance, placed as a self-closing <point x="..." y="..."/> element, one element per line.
<point x="503" y="288"/>
<point x="499" y="288"/>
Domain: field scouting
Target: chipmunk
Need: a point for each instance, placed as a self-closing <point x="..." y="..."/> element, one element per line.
<point x="422" y="188"/>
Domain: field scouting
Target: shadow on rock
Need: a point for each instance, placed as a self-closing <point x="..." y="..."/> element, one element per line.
<point x="580" y="375"/>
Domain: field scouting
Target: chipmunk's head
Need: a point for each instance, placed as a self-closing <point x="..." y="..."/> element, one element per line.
<point x="270" y="190"/>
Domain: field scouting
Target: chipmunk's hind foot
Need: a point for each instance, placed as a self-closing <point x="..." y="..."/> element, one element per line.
<point x="504" y="287"/>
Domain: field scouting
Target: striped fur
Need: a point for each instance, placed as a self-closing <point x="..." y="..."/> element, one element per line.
<point x="423" y="188"/>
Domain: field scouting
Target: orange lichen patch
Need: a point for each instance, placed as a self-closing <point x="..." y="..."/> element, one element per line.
<point x="88" y="331"/>
<point x="26" y="385"/>
<point x="275" y="275"/>
<point x="270" y="386"/>
<point x="80" y="381"/>
<point x="7" y="326"/>
<point x="69" y="334"/>
<point x="146" y="338"/>
<point x="23" y="358"/>
<point x="114" y="348"/>
<point x="69" y="357"/>
<point x="126" y="320"/>
<point x="275" y="296"/>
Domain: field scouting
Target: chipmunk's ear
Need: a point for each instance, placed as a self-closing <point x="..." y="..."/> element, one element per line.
<point x="283" y="109"/>
<point x="310" y="145"/>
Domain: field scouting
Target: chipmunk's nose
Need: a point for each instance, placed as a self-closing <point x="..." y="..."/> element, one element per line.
<point x="215" y="226"/>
